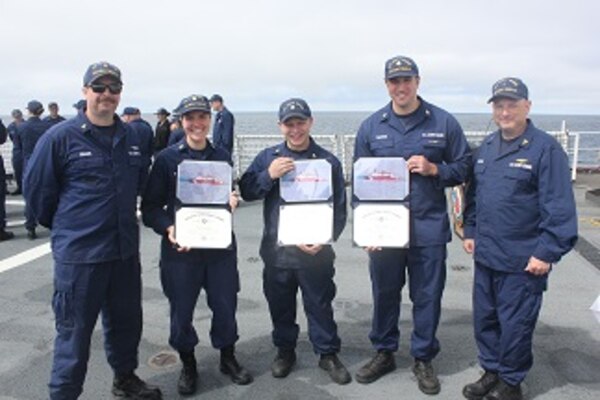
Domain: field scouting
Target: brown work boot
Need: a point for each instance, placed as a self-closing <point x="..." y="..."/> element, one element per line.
<point x="382" y="363"/>
<point x="428" y="380"/>
<point x="476" y="390"/>
<point x="334" y="367"/>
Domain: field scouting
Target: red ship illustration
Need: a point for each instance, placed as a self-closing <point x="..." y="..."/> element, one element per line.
<point x="207" y="180"/>
<point x="382" y="176"/>
<point x="308" y="178"/>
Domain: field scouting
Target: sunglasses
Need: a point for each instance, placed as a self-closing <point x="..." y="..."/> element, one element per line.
<point x="113" y="88"/>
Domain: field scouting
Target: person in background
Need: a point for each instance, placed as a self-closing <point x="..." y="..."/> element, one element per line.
<point x="17" y="150"/>
<point x="29" y="133"/>
<point x="83" y="181"/>
<point x="79" y="105"/>
<point x="162" y="131"/>
<point x="308" y="266"/>
<point x="177" y="132"/>
<point x="54" y="117"/>
<point x="437" y="154"/>
<point x="4" y="235"/>
<point x="520" y="219"/>
<point x="133" y="117"/>
<point x="222" y="133"/>
<point x="185" y="272"/>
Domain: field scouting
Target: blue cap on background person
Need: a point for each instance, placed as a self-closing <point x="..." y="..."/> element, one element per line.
<point x="294" y="108"/>
<point x="78" y="105"/>
<point x="100" y="69"/>
<point x="400" y="66"/>
<point x="131" y="111"/>
<point x="16" y="113"/>
<point x="194" y="102"/>
<point x="35" y="107"/>
<point x="511" y="88"/>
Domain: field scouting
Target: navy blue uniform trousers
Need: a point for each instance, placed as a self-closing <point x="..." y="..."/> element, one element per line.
<point x="505" y="311"/>
<point x="280" y="286"/>
<point x="182" y="282"/>
<point x="81" y="292"/>
<point x="426" y="268"/>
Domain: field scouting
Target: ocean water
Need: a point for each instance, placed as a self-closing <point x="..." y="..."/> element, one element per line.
<point x="347" y="123"/>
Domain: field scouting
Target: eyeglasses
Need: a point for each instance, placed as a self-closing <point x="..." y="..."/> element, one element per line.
<point x="113" y="88"/>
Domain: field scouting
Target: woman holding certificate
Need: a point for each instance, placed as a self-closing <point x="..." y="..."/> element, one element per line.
<point x="183" y="177"/>
<point x="299" y="180"/>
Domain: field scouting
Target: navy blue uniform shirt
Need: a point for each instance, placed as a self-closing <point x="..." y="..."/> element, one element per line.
<point x="223" y="130"/>
<point x="256" y="184"/>
<point x="86" y="192"/>
<point x="29" y="133"/>
<point x="53" y="121"/>
<point x="12" y="129"/>
<point x="158" y="203"/>
<point x="430" y="132"/>
<point x="520" y="202"/>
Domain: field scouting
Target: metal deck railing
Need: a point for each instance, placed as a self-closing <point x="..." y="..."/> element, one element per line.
<point x="246" y="147"/>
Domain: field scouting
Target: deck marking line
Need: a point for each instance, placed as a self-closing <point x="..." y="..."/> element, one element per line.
<point x="24" y="257"/>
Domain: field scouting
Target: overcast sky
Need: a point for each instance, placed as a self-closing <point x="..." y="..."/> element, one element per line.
<point x="257" y="53"/>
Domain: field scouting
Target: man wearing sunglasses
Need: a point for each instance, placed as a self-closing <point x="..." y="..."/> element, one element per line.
<point x="83" y="182"/>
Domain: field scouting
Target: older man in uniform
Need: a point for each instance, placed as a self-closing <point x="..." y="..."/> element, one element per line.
<point x="519" y="220"/>
<point x="438" y="156"/>
<point x="83" y="180"/>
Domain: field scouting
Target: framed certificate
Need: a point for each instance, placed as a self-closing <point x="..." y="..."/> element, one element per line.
<point x="305" y="224"/>
<point x="381" y="225"/>
<point x="381" y="178"/>
<point x="204" y="182"/>
<point x="203" y="227"/>
<point x="309" y="181"/>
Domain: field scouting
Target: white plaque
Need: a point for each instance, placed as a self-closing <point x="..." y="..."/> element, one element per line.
<point x="309" y="181"/>
<point x="381" y="225"/>
<point x="203" y="227"/>
<point x="305" y="224"/>
<point x="204" y="182"/>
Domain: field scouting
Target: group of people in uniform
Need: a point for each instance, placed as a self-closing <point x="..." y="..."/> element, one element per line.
<point x="84" y="176"/>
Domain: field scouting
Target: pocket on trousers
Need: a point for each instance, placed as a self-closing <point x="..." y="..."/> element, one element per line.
<point x="62" y="304"/>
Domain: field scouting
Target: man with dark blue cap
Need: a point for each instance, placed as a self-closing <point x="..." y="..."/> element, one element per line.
<point x="307" y="266"/>
<point x="438" y="156"/>
<point x="17" y="150"/>
<point x="29" y="133"/>
<point x="79" y="105"/>
<point x="83" y="181"/>
<point x="54" y="117"/>
<point x="520" y="219"/>
<point x="185" y="272"/>
<point x="224" y="122"/>
<point x="4" y="235"/>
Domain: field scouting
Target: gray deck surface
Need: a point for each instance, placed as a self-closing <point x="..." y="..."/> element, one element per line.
<point x="566" y="342"/>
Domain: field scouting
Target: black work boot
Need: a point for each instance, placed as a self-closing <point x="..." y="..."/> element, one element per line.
<point x="504" y="391"/>
<point x="188" y="378"/>
<point x="334" y="367"/>
<point x="476" y="390"/>
<point x="31" y="235"/>
<point x="382" y="363"/>
<point x="130" y="386"/>
<point x="5" y="235"/>
<point x="428" y="381"/>
<point x="283" y="363"/>
<point x="230" y="366"/>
